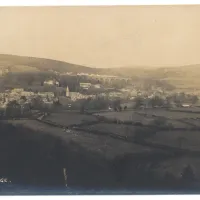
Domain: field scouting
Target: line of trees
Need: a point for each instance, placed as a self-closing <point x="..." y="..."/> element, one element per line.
<point x="178" y="99"/>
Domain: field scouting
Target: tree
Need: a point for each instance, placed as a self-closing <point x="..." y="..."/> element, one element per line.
<point x="138" y="102"/>
<point x="98" y="104"/>
<point x="56" y="103"/>
<point x="194" y="99"/>
<point x="116" y="103"/>
<point x="13" y="109"/>
<point x="157" y="101"/>
<point x="83" y="106"/>
<point x="13" y="103"/>
<point x="23" y="98"/>
<point x="37" y="103"/>
<point x="188" y="174"/>
<point x="82" y="109"/>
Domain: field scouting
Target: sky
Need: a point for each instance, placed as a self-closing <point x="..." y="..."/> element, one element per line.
<point x="113" y="36"/>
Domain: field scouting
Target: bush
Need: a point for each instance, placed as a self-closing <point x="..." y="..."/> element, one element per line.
<point x="188" y="174"/>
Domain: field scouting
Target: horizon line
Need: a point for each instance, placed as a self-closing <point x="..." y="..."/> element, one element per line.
<point x="93" y="67"/>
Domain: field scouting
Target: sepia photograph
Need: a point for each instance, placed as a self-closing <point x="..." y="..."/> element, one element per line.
<point x="98" y="100"/>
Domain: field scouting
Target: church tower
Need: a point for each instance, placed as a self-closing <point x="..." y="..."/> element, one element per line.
<point x="67" y="91"/>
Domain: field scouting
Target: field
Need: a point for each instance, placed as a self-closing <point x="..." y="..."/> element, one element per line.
<point x="179" y="124"/>
<point x="147" y="118"/>
<point x="191" y="109"/>
<point x="181" y="139"/>
<point x="189" y="139"/>
<point x="126" y="116"/>
<point x="119" y="129"/>
<point x="108" y="146"/>
<point x="196" y="123"/>
<point x="70" y="118"/>
<point x="147" y="115"/>
<point x="111" y="147"/>
<point x="169" y="114"/>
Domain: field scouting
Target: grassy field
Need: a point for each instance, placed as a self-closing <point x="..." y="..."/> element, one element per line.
<point x="191" y="109"/>
<point x="177" y="124"/>
<point x="120" y="129"/>
<point x="196" y="123"/>
<point x="190" y="139"/>
<point x="70" y="118"/>
<point x="146" y="120"/>
<point x="168" y="114"/>
<point x="108" y="146"/>
<point x="126" y="116"/>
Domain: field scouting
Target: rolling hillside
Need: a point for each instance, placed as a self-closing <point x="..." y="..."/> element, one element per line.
<point x="182" y="77"/>
<point x="40" y="64"/>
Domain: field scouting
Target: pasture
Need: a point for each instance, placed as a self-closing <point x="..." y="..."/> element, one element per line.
<point x="119" y="129"/>
<point x="193" y="122"/>
<point x="190" y="109"/>
<point x="105" y="145"/>
<point x="70" y="118"/>
<point x="169" y="114"/>
<point x="126" y="116"/>
<point x="179" y="124"/>
<point x="146" y="118"/>
<point x="180" y="139"/>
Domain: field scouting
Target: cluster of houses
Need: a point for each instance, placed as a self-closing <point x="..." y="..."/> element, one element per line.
<point x="21" y="99"/>
<point x="18" y="102"/>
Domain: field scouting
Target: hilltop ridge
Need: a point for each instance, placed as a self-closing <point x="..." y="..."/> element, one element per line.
<point x="180" y="76"/>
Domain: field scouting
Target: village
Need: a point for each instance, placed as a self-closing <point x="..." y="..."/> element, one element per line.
<point x="20" y="101"/>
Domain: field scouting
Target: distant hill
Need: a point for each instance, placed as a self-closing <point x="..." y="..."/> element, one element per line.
<point x="31" y="64"/>
<point x="41" y="64"/>
<point x="181" y="77"/>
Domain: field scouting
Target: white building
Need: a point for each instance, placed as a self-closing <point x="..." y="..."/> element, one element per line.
<point x="51" y="82"/>
<point x="27" y="94"/>
<point x="76" y="96"/>
<point x="186" y="105"/>
<point x="17" y="90"/>
<point x="85" y="85"/>
<point x="115" y="94"/>
<point x="97" y="86"/>
<point x="46" y="94"/>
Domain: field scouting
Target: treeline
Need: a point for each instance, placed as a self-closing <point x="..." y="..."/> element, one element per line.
<point x="157" y="101"/>
<point x="73" y="82"/>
